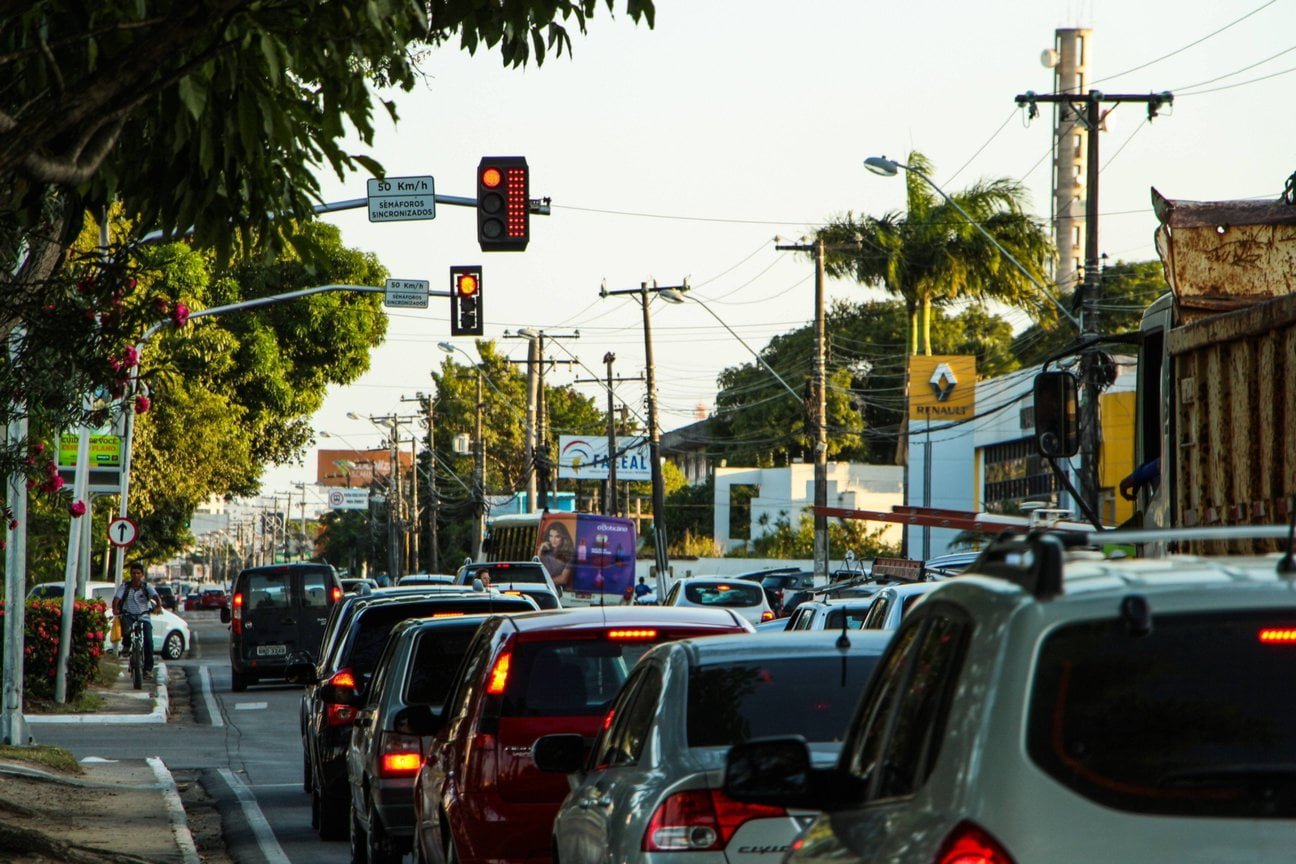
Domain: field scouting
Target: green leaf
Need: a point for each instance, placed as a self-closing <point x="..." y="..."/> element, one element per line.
<point x="193" y="95"/>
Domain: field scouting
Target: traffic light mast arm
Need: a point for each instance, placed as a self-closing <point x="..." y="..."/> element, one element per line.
<point x="535" y="206"/>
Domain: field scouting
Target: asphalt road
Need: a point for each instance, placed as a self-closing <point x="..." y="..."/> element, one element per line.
<point x="244" y="748"/>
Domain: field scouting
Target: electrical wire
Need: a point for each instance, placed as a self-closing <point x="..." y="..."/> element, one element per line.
<point x="679" y="218"/>
<point x="1002" y="126"/>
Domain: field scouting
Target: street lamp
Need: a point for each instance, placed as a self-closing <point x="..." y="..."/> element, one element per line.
<point x="644" y="295"/>
<point x="479" y="457"/>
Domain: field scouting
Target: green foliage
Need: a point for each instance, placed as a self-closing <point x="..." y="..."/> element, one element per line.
<point x="690" y="514"/>
<point x="347" y="540"/>
<point x="933" y="255"/>
<point x="43" y="622"/>
<point x="847" y="535"/>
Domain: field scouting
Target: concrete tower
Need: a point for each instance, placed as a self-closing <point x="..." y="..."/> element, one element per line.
<point x="1070" y="60"/>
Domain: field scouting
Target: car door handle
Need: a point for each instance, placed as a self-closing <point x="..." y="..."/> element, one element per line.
<point x="588" y="803"/>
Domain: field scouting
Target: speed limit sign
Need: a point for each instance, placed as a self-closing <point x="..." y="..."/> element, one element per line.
<point x="122" y="531"/>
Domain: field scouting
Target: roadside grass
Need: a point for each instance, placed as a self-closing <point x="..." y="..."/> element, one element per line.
<point x="53" y="758"/>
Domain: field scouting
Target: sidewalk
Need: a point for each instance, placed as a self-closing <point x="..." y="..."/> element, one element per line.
<point x="122" y="810"/>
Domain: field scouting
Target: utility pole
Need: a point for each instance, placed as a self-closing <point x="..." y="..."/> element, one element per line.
<point x="393" y="503"/>
<point x="611" y="505"/>
<point x="536" y="407"/>
<point x="306" y="544"/>
<point x="416" y="518"/>
<point x="820" y="406"/>
<point x="479" y="475"/>
<point x="1088" y="108"/>
<point x="434" y="564"/>
<point x="673" y="294"/>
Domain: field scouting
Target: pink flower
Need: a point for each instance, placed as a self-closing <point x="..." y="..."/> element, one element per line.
<point x="77" y="508"/>
<point x="39" y="448"/>
<point x="13" y="523"/>
<point x="142" y="404"/>
<point x="130" y="356"/>
<point x="180" y="314"/>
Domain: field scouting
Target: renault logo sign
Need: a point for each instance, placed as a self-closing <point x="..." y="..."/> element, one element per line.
<point x="942" y="388"/>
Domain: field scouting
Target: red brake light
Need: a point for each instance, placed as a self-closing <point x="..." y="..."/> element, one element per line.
<point x="607" y="721"/>
<point x="1278" y="635"/>
<point x="700" y="819"/>
<point x="343" y="678"/>
<point x="499" y="675"/>
<point x="448" y="615"/>
<point x="336" y="593"/>
<point x="630" y="635"/>
<point x="767" y="615"/>
<point x="236" y="615"/>
<point x="968" y="843"/>
<point x="238" y="600"/>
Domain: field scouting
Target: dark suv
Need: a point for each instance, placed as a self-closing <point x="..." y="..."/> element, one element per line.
<point x="338" y="682"/>
<point x="277" y="618"/>
<point x="779" y="585"/>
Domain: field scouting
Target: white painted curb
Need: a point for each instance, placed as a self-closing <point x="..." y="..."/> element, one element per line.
<point x="161" y="707"/>
<point x="175" y="810"/>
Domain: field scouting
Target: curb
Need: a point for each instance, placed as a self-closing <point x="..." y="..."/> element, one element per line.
<point x="161" y="708"/>
<point x="175" y="810"/>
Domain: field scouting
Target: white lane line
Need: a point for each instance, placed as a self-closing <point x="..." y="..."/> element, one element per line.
<point x="250" y="706"/>
<point x="213" y="710"/>
<point x="175" y="810"/>
<point x="270" y="847"/>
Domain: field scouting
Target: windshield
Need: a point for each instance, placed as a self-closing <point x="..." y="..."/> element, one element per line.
<point x="726" y="594"/>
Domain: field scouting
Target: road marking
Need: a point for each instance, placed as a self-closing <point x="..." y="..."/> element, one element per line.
<point x="213" y="710"/>
<point x="270" y="847"/>
<point x="250" y="706"/>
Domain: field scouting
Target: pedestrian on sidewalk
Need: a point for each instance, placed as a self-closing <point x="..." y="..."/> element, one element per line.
<point x="137" y="600"/>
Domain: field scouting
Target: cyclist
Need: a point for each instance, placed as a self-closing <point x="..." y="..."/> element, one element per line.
<point x="134" y="600"/>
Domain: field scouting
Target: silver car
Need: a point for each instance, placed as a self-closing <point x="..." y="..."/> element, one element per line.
<point x="650" y="789"/>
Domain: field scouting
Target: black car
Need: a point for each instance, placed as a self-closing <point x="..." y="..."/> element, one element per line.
<point x="779" y="584"/>
<point x="167" y="596"/>
<point x="276" y="617"/>
<point x="339" y="681"/>
<point x="410" y="684"/>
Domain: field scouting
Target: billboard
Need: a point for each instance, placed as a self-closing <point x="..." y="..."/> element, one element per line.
<point x="585" y="457"/>
<point x="942" y="387"/>
<point x="358" y="468"/>
<point x="588" y="554"/>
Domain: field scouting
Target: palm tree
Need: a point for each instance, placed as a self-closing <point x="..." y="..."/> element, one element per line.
<point x="933" y="255"/>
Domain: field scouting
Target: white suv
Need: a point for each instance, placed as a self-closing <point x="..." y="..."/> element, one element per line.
<point x="1064" y="708"/>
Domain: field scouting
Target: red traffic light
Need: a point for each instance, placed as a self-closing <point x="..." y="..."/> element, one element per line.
<point x="466" y="300"/>
<point x="503" y="204"/>
<point x="466" y="284"/>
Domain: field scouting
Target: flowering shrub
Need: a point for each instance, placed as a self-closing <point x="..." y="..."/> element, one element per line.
<point x="41" y="639"/>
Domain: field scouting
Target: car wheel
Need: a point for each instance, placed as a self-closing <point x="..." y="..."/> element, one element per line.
<point x="238" y="681"/>
<point x="378" y="850"/>
<point x="359" y="840"/>
<point x="173" y="646"/>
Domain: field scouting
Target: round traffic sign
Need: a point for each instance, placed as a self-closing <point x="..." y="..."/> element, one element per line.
<point x="336" y="498"/>
<point x="122" y="531"/>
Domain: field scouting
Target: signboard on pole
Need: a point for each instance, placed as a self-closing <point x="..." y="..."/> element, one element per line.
<point x="584" y="457"/>
<point x="122" y="531"/>
<point x="407" y="293"/>
<point x="942" y="388"/>
<point x="105" y="451"/>
<point x="349" y="499"/>
<point x="401" y="199"/>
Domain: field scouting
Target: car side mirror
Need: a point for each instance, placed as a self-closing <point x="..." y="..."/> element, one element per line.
<point x="417" y="720"/>
<point x="225" y="615"/>
<point x="778" y="772"/>
<point x="300" y="673"/>
<point x="1057" y="423"/>
<point x="559" y="754"/>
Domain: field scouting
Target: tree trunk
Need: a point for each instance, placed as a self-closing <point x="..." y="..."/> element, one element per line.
<point x="926" y="324"/>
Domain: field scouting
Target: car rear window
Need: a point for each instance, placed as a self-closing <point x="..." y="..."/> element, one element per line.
<point x="265" y="590"/>
<point x="1191" y="719"/>
<point x="727" y="594"/>
<point x="437" y="654"/>
<point x="810" y="696"/>
<point x="502" y="573"/>
<point x="854" y="618"/>
<point x="567" y="679"/>
<point x="372" y="625"/>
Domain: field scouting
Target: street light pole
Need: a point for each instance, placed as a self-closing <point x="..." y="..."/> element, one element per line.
<point x="644" y="294"/>
<point x="609" y="500"/>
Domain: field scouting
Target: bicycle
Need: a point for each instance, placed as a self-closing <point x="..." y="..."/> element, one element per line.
<point x="137" y="652"/>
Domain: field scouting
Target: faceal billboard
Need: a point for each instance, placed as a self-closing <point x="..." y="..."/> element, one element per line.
<point x="585" y="457"/>
<point x="942" y="388"/>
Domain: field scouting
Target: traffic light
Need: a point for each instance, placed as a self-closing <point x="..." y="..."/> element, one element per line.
<point x="466" y="301"/>
<point x="503" y="214"/>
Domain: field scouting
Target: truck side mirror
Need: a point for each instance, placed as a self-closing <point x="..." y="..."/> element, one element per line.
<point x="1057" y="423"/>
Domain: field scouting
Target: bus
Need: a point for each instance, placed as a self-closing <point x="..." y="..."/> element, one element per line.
<point x="589" y="556"/>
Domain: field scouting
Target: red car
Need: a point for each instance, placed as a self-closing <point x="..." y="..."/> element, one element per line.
<point x="479" y="797"/>
<point x="213" y="598"/>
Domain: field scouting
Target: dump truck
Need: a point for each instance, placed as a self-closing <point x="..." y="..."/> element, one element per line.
<point x="1216" y="397"/>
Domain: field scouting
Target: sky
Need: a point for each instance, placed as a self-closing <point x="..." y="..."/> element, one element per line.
<point x="682" y="151"/>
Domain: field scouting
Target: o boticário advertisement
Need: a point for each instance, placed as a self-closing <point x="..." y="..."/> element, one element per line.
<point x="587" y="553"/>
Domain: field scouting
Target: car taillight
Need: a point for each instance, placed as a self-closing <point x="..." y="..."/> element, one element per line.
<point x="401" y="755"/>
<point x="700" y="819"/>
<point x="337" y="713"/>
<point x="1278" y="635"/>
<point x="969" y="843"/>
<point x="767" y="615"/>
<point x="643" y="634"/>
<point x="236" y="617"/>
<point x="499" y="674"/>
<point x="335" y="593"/>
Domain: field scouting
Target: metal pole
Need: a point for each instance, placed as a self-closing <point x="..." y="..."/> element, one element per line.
<point x="13" y="725"/>
<point x="821" y="424"/>
<point x="393" y="502"/>
<point x="654" y="454"/>
<point x="434" y="506"/>
<point x="542" y="427"/>
<point x="531" y="450"/>
<point x="75" y="527"/>
<point x="479" y="475"/>
<point x="609" y="500"/>
<point x="1089" y="320"/>
<point x="415" y="523"/>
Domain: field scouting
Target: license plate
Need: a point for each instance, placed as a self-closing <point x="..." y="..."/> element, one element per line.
<point x="271" y="650"/>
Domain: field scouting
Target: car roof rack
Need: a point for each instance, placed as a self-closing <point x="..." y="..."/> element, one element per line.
<point x="1033" y="562"/>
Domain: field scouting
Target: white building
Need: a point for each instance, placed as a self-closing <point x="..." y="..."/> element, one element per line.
<point x="771" y="494"/>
